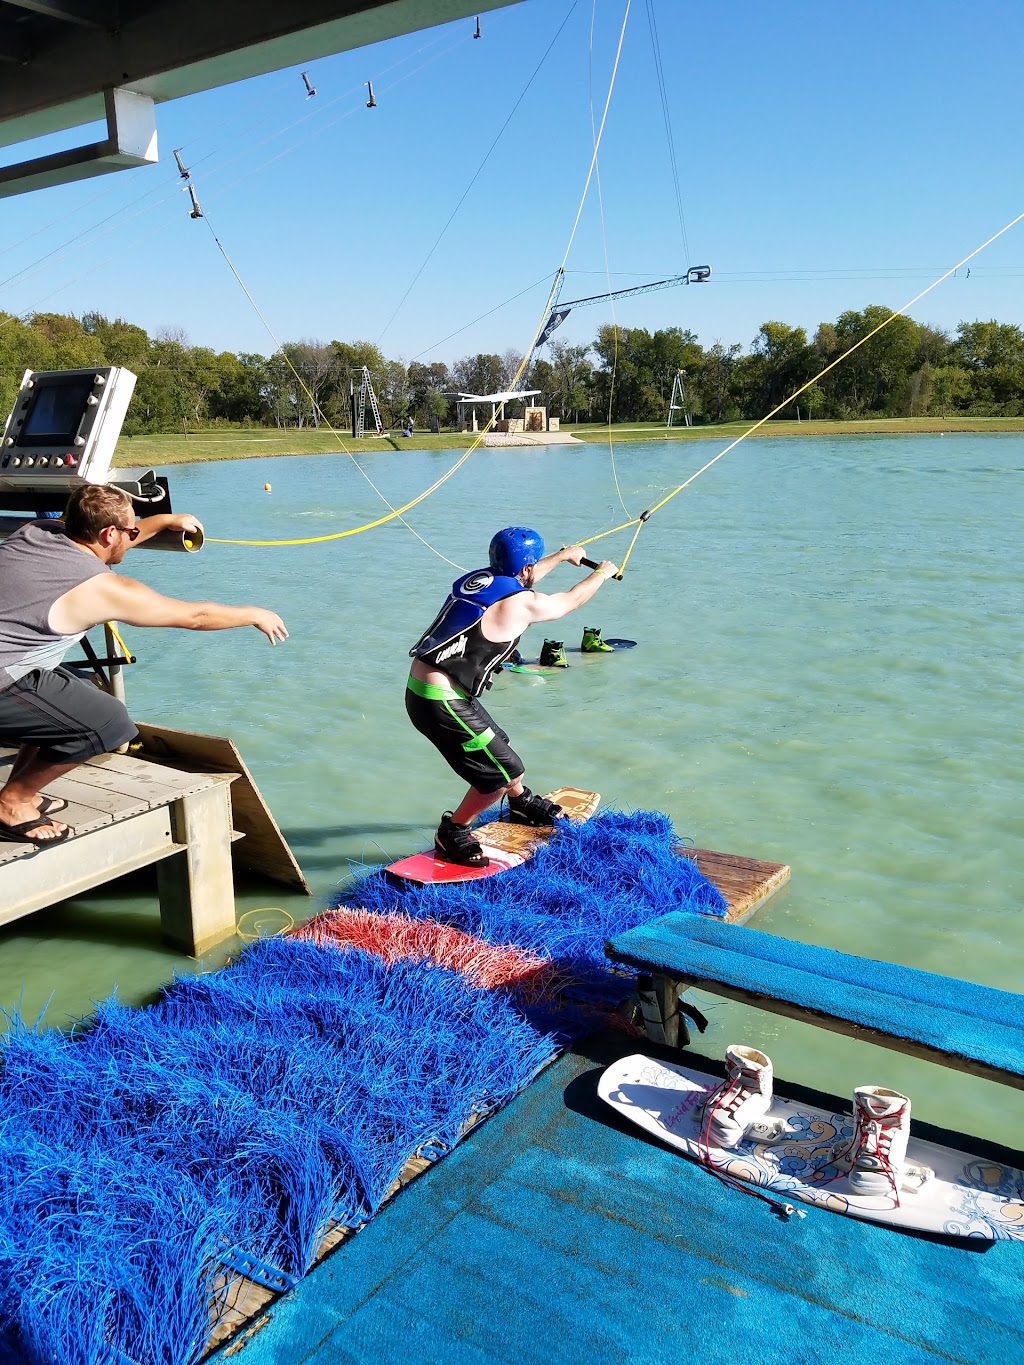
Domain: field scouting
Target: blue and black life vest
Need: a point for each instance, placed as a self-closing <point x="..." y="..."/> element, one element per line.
<point x="454" y="642"/>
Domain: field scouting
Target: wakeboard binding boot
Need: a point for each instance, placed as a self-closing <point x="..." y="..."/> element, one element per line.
<point x="737" y="1109"/>
<point x="552" y="655"/>
<point x="592" y="642"/>
<point x="527" y="809"/>
<point x="876" y="1156"/>
<point x="455" y="843"/>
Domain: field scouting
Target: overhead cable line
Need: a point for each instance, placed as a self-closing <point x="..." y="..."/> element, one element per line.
<point x="663" y="91"/>
<point x="398" y="512"/>
<point x="476" y="174"/>
<point x="604" y="246"/>
<point x="640" y="521"/>
<point x="496" y="309"/>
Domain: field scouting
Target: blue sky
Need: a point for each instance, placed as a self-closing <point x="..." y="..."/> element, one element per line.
<point x="830" y="156"/>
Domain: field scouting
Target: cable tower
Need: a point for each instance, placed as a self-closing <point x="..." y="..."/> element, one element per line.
<point x="359" y="397"/>
<point x="677" y="403"/>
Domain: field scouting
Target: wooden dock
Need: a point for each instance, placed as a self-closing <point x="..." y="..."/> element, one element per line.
<point x="746" y="883"/>
<point x="127" y="813"/>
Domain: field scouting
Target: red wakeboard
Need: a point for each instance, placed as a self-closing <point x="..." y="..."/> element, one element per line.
<point x="504" y="844"/>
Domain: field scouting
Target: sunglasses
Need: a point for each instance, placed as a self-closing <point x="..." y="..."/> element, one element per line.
<point x="132" y="532"/>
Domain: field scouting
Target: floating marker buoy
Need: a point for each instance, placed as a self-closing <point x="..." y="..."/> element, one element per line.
<point x="266" y="488"/>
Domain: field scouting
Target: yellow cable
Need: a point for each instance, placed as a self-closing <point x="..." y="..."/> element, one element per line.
<point x="797" y="392"/>
<point x="397" y="512"/>
<point x="264" y="910"/>
<point x="128" y="658"/>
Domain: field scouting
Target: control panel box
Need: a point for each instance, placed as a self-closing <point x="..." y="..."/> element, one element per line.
<point x="63" y="428"/>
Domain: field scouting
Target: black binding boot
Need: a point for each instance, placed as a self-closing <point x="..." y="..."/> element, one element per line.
<point x="527" y="809"/>
<point x="455" y="843"/>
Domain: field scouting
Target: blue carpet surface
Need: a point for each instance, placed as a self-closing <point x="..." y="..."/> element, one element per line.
<point x="552" y="1234"/>
<point x="959" y="1017"/>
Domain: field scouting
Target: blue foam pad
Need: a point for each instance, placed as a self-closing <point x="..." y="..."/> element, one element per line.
<point x="960" y="1018"/>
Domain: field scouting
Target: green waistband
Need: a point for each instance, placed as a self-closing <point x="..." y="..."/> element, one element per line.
<point x="431" y="692"/>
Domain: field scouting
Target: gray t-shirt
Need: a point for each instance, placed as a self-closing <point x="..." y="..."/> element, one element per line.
<point x="38" y="565"/>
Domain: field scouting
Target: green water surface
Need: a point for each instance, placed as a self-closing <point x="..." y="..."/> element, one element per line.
<point x="826" y="675"/>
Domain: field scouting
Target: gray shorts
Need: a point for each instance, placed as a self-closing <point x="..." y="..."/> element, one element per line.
<point x="69" y="719"/>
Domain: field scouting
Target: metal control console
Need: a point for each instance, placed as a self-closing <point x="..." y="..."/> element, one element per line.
<point x="63" y="428"/>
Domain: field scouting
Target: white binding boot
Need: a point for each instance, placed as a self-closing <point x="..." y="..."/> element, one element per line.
<point x="878" y="1151"/>
<point x="741" y="1102"/>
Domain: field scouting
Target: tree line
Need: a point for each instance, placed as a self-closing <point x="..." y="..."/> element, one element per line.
<point x="625" y="375"/>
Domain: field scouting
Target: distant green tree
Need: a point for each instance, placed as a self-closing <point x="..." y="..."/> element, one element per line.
<point x="123" y="342"/>
<point x="780" y="361"/>
<point x="570" y="381"/>
<point x="633" y="381"/>
<point x="710" y="387"/>
<point x="428" y="385"/>
<point x="482" y="373"/>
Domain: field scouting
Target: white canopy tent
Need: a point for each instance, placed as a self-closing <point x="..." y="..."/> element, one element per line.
<point x="468" y="401"/>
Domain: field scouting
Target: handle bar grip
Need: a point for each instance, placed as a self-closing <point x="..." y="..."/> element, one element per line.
<point x="593" y="564"/>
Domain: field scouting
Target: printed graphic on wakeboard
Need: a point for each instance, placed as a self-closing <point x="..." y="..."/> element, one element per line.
<point x="965" y="1196"/>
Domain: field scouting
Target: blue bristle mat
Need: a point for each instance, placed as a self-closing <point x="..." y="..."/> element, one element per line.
<point x="591" y="881"/>
<point x="241" y="1114"/>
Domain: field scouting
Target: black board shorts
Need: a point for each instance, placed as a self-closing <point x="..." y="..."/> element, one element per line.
<point x="465" y="736"/>
<point x="70" y="720"/>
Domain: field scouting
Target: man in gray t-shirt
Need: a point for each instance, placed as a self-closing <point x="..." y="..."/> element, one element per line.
<point x="56" y="582"/>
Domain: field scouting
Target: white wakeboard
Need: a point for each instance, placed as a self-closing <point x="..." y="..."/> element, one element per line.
<point x="965" y="1196"/>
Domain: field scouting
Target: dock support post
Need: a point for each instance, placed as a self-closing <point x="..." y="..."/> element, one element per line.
<point x="659" y="1005"/>
<point x="197" y="895"/>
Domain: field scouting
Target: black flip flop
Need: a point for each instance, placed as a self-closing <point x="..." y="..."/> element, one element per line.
<point x="19" y="834"/>
<point x="50" y="805"/>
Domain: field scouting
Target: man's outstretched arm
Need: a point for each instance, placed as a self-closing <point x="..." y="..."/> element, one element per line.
<point x="149" y="527"/>
<point x="514" y="614"/>
<point x="111" y="598"/>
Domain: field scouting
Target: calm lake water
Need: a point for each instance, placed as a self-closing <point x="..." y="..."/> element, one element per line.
<point x="827" y="675"/>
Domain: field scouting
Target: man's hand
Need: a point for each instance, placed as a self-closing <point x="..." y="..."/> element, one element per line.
<point x="608" y="568"/>
<point x="184" y="521"/>
<point x="573" y="554"/>
<point x="270" y="623"/>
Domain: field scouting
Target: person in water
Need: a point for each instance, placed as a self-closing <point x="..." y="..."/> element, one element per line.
<point x="455" y="660"/>
<point x="56" y="582"/>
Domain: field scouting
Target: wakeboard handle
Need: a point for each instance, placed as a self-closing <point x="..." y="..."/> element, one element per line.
<point x="593" y="564"/>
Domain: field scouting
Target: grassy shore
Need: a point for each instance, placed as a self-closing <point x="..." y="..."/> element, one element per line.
<point x="219" y="444"/>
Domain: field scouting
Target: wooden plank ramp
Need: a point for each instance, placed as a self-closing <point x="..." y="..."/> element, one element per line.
<point x="746" y="883"/>
<point x="264" y="849"/>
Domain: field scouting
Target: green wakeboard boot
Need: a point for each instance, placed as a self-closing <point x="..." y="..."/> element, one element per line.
<point x="553" y="655"/>
<point x="592" y="642"/>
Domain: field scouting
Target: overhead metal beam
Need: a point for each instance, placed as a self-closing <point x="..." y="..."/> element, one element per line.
<point x="130" y="141"/>
<point x="84" y="13"/>
<point x="179" y="47"/>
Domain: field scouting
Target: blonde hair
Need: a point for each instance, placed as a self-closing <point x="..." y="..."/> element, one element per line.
<point x="93" y="506"/>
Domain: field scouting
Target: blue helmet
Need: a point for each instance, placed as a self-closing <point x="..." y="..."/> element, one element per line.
<point x="513" y="549"/>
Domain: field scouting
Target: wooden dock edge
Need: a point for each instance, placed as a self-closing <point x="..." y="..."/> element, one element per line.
<point x="264" y="849"/>
<point x="746" y="883"/>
